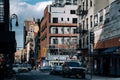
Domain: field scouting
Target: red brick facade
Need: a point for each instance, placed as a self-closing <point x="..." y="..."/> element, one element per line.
<point x="45" y="34"/>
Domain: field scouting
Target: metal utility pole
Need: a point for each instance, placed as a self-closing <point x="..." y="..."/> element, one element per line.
<point x="91" y="50"/>
<point x="58" y="55"/>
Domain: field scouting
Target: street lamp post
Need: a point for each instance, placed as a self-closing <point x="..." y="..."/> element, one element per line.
<point x="13" y="16"/>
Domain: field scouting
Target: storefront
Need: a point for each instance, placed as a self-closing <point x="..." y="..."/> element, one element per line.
<point x="107" y="62"/>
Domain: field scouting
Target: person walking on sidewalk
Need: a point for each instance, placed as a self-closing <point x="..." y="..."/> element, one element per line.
<point x="1" y="68"/>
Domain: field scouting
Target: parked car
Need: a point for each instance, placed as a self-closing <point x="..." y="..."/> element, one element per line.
<point x="74" y="68"/>
<point x="29" y="67"/>
<point x="56" y="70"/>
<point x="24" y="68"/>
<point x="16" y="67"/>
<point x="45" y="68"/>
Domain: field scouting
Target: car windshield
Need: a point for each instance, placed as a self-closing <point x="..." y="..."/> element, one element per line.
<point x="24" y="65"/>
<point x="47" y="67"/>
<point x="59" y="68"/>
<point x="73" y="64"/>
<point x="15" y="65"/>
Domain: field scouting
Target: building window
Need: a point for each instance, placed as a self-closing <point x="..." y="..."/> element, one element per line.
<point x="101" y="18"/>
<point x="29" y="34"/>
<point x="83" y="6"/>
<point x="107" y="17"/>
<point x="62" y="40"/>
<point x="72" y="11"/>
<point x="62" y="30"/>
<point x="68" y="40"/>
<point x="68" y="30"/>
<point x="32" y="28"/>
<point x="67" y="19"/>
<point x="96" y="20"/>
<point x="86" y="4"/>
<point x="55" y="41"/>
<point x="55" y="30"/>
<point x="74" y="41"/>
<point x="61" y="19"/>
<point x="68" y="2"/>
<point x="75" y="2"/>
<point x="90" y="3"/>
<point x="87" y="23"/>
<point x="91" y="21"/>
<point x="74" y="20"/>
<point x="55" y="20"/>
<point x="74" y="31"/>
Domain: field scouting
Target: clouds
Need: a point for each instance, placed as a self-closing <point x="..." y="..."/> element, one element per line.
<point x="25" y="10"/>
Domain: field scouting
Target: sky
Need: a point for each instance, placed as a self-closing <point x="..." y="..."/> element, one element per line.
<point x="25" y="9"/>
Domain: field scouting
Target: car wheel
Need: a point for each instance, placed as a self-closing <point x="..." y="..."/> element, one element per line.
<point x="63" y="75"/>
<point x="83" y="76"/>
<point x="29" y="69"/>
<point x="51" y="73"/>
<point x="68" y="75"/>
<point x="78" y="76"/>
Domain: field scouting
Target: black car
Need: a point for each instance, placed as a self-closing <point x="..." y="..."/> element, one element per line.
<point x="74" y="68"/>
<point x="56" y="70"/>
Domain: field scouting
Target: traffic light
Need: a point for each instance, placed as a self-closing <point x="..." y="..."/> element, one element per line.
<point x="91" y="37"/>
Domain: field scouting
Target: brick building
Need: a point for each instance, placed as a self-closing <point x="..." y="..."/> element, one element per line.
<point x="31" y="38"/>
<point x="58" y="31"/>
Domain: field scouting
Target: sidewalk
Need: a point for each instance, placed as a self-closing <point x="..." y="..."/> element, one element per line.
<point x="94" y="77"/>
<point x="13" y="78"/>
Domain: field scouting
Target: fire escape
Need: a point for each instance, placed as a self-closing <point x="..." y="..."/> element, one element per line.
<point x="82" y="11"/>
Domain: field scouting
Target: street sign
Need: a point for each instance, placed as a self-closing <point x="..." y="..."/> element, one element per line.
<point x="91" y="48"/>
<point x="91" y="37"/>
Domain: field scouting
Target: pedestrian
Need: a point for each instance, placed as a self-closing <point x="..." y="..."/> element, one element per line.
<point x="1" y="67"/>
<point x="1" y="71"/>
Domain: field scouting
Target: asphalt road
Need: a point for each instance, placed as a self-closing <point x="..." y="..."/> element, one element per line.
<point x="37" y="75"/>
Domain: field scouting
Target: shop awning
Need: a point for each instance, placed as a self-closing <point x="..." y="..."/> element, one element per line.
<point x="110" y="50"/>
